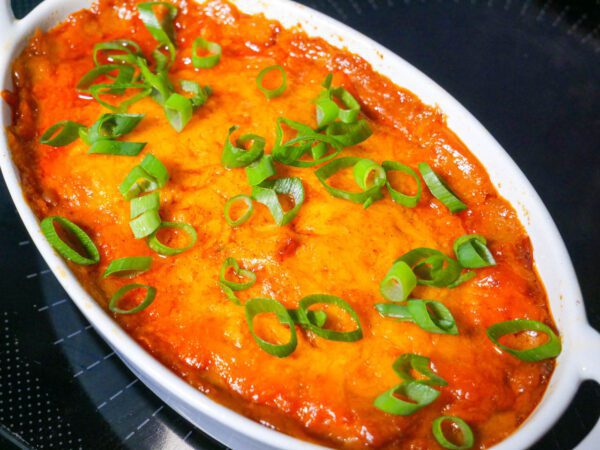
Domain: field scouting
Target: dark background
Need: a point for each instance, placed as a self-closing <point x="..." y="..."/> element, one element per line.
<point x="528" y="70"/>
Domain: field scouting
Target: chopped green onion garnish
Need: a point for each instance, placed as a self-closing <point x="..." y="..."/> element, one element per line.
<point x="439" y="189"/>
<point x="145" y="224"/>
<point x="394" y="311"/>
<point x="463" y="278"/>
<point x="409" y="201"/>
<point x="236" y="155"/>
<point x="430" y="315"/>
<point x="199" y="94"/>
<point x="125" y="76"/>
<point x="421" y="364"/>
<point x="244" y="217"/>
<point x="156" y="169"/>
<point x="159" y="82"/>
<point x="214" y="53"/>
<point x="267" y="194"/>
<point x="272" y="93"/>
<point x="161" y="29"/>
<point x="550" y="349"/>
<point x="165" y="250"/>
<point x="113" y="126"/>
<point x="368" y="173"/>
<point x="327" y="111"/>
<point x="316" y="318"/>
<point x="398" y="283"/>
<point x="113" y="305"/>
<point x="48" y="228"/>
<point x="137" y="182"/>
<point x="97" y="90"/>
<point x="349" y="134"/>
<point x="418" y="393"/>
<point x="258" y="306"/>
<point x="140" y="205"/>
<point x="472" y="252"/>
<point x="260" y="170"/>
<point x="231" y="263"/>
<point x="179" y="111"/>
<point x="117" y="148"/>
<point x="230" y="294"/>
<point x="332" y="335"/>
<point x="366" y="197"/>
<point x="438" y="433"/>
<point x="128" y="267"/>
<point x="350" y="114"/>
<point x="432" y="267"/>
<point x="126" y="51"/>
<point x="61" y="133"/>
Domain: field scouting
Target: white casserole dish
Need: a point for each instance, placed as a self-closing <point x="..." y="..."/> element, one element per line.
<point x="579" y="360"/>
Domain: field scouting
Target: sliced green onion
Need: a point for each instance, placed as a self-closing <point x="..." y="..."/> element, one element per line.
<point x="260" y="170"/>
<point x="327" y="111"/>
<point x="199" y="94"/>
<point x="140" y="205"/>
<point x="395" y="311"/>
<point x="48" y="228"/>
<point x="236" y="155"/>
<point x="125" y="75"/>
<point x="272" y="93"/>
<point x="112" y="88"/>
<point x="363" y="171"/>
<point x="366" y="197"/>
<point x="398" y="283"/>
<point x="244" y="217"/>
<point x="418" y="393"/>
<point x="550" y="349"/>
<point x="230" y="294"/>
<point x="162" y="30"/>
<point x="179" y="110"/>
<point x="438" y="433"/>
<point x="258" y="306"/>
<point x="165" y="250"/>
<point x="129" y="48"/>
<point x="112" y="126"/>
<point x="317" y="318"/>
<point x="327" y="81"/>
<point x="148" y="299"/>
<point x="439" y="189"/>
<point x="332" y="335"/>
<point x="432" y="267"/>
<point x="421" y="364"/>
<point x="159" y="82"/>
<point x="267" y="192"/>
<point x="231" y="263"/>
<point x="212" y="59"/>
<point x="432" y="316"/>
<point x="350" y="114"/>
<point x="137" y="182"/>
<point x="61" y="133"/>
<point x="349" y="134"/>
<point x="145" y="224"/>
<point x="156" y="169"/>
<point x="117" y="148"/>
<point x="472" y="252"/>
<point x="463" y="278"/>
<point x="409" y="201"/>
<point x="128" y="267"/>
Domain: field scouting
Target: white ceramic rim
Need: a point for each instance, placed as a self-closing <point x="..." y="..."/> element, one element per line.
<point x="552" y="260"/>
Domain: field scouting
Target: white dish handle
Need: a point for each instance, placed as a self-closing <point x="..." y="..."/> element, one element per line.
<point x="7" y="18"/>
<point x="590" y="370"/>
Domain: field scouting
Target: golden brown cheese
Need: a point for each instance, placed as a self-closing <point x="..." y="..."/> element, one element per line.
<point x="324" y="391"/>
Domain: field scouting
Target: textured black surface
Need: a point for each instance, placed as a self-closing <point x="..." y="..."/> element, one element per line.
<point x="529" y="71"/>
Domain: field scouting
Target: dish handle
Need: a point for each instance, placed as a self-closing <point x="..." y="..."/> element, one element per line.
<point x="590" y="370"/>
<point x="7" y="18"/>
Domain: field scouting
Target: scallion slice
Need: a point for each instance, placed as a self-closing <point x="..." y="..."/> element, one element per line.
<point x="267" y="193"/>
<point x="472" y="252"/>
<point x="432" y="267"/>
<point x="125" y="75"/>
<point x="179" y="110"/>
<point x="161" y="29"/>
<point x="230" y="294"/>
<point x="276" y="92"/>
<point x="421" y="364"/>
<point x="395" y="311"/>
<point x="244" y="217"/>
<point x="158" y="82"/>
<point x="137" y="182"/>
<point x="156" y="169"/>
<point x="438" y="433"/>
<point x="439" y="189"/>
<point x="418" y="393"/>
<point x="257" y="306"/>
<point x="398" y="283"/>
<point x="409" y="201"/>
<point x="236" y="155"/>
<point x="260" y="170"/>
<point x="349" y="134"/>
<point x="97" y="90"/>
<point x="231" y="263"/>
<point x="550" y="349"/>
<point x="368" y="173"/>
<point x="165" y="250"/>
<point x="327" y="111"/>
<point x="332" y="335"/>
<point x="128" y="267"/>
<point x="199" y="93"/>
<point x="144" y="203"/>
<point x="126" y="51"/>
<point x="116" y="148"/>
<point x="61" y="133"/>
<point x="430" y="315"/>
<point x="145" y="224"/>
<point x="350" y="113"/>
<point x="214" y="53"/>
<point x="67" y="251"/>
<point x="316" y="318"/>
<point x="113" y="305"/>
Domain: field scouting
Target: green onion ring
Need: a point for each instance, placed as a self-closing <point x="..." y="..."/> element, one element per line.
<point x="550" y="349"/>
<point x="128" y="267"/>
<point x="49" y="230"/>
<point x="421" y="364"/>
<point x="398" y="283"/>
<point x="420" y="394"/>
<point x="272" y="93"/>
<point x="140" y="205"/>
<point x="236" y="155"/>
<point x="267" y="192"/>
<point x="332" y="335"/>
<point x="244" y="217"/>
<point x="121" y="45"/>
<point x="463" y="278"/>
<point x="432" y="316"/>
<point x="179" y="110"/>
<point x="125" y="75"/>
<point x="137" y="182"/>
<point x="410" y="201"/>
<point x="199" y="94"/>
<point x="472" y="252"/>
<point x="117" y="148"/>
<point x="231" y="263"/>
<point x="364" y="169"/>
<point x="165" y="250"/>
<point x="61" y="133"/>
<point x="148" y="299"/>
<point x="145" y="224"/>
<point x="317" y="318"/>
<point x="112" y="126"/>
<point x="209" y="61"/>
<point x="104" y="88"/>
<point x="162" y="30"/>
<point x="156" y="169"/>
<point x="432" y="267"/>
<point x="326" y="110"/>
<point x="230" y="294"/>
<point x="260" y="170"/>
<point x="256" y="306"/>
<point x="349" y="134"/>
<point x="395" y="311"/>
<point x="349" y="115"/>
<point x="158" y="82"/>
<point x="439" y="189"/>
<point x="438" y="433"/>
